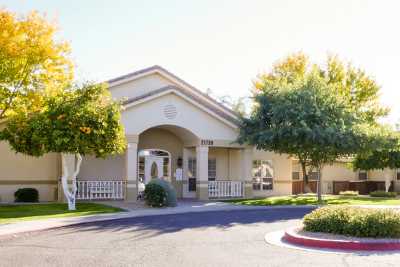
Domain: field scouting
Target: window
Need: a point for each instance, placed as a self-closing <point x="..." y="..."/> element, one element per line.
<point x="192" y="174"/>
<point x="398" y="174"/>
<point x="262" y="175"/>
<point x="295" y="175"/>
<point x="192" y="167"/>
<point x="362" y="175"/>
<point x="312" y="175"/>
<point x="212" y="169"/>
<point x="296" y="171"/>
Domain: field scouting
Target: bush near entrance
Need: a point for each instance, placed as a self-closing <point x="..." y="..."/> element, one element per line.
<point x="26" y="195"/>
<point x="348" y="193"/>
<point x="382" y="194"/>
<point x="353" y="221"/>
<point x="155" y="195"/>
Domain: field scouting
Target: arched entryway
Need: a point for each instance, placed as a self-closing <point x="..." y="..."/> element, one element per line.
<point x="162" y="152"/>
<point x="154" y="163"/>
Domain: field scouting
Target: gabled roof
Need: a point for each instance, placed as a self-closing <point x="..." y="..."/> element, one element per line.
<point x="182" y="86"/>
<point x="172" y="88"/>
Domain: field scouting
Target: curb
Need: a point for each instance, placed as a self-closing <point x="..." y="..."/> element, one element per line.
<point x="292" y="237"/>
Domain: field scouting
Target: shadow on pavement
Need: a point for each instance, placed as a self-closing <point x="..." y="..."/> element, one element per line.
<point x="146" y="227"/>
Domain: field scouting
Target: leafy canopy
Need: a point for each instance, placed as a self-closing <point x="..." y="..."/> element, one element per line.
<point x="33" y="64"/>
<point x="83" y="120"/>
<point x="359" y="90"/>
<point x="385" y="152"/>
<point x="304" y="118"/>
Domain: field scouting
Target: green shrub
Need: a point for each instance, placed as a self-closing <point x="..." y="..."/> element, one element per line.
<point x="381" y="193"/>
<point x="169" y="190"/>
<point x="348" y="193"/>
<point x="155" y="195"/>
<point x="26" y="195"/>
<point x="353" y="221"/>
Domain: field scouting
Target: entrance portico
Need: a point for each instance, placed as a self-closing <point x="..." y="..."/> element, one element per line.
<point x="207" y="170"/>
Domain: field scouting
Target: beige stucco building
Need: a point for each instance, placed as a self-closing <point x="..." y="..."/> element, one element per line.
<point x="175" y="132"/>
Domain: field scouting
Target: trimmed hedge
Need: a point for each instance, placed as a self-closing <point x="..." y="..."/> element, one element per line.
<point x="381" y="193"/>
<point x="353" y="221"/>
<point x="348" y="193"/>
<point x="26" y="195"/>
<point x="155" y="195"/>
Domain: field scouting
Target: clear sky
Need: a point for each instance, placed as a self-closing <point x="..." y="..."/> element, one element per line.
<point x="223" y="45"/>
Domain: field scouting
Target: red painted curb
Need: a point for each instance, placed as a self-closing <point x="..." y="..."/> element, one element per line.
<point x="292" y="237"/>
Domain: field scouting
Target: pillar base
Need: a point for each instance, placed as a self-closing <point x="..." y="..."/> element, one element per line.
<point x="178" y="186"/>
<point x="248" y="190"/>
<point x="202" y="192"/>
<point x="131" y="194"/>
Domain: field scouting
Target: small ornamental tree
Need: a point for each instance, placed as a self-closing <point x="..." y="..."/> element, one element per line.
<point x="79" y="121"/>
<point x="306" y="120"/>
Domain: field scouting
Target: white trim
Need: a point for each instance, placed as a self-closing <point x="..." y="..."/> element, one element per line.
<point x="176" y="92"/>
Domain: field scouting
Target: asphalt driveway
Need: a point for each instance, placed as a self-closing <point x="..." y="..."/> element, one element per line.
<point x="219" y="238"/>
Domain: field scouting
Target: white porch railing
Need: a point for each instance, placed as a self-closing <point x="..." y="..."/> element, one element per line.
<point x="225" y="189"/>
<point x="88" y="190"/>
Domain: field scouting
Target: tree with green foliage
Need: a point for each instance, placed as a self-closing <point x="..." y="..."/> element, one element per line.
<point x="358" y="93"/>
<point x="305" y="119"/>
<point x="383" y="152"/>
<point x="78" y="121"/>
<point x="34" y="64"/>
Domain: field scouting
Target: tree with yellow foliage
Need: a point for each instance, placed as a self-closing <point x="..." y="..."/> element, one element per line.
<point x="33" y="64"/>
<point x="43" y="111"/>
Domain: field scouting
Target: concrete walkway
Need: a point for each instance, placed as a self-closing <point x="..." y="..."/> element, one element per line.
<point x="136" y="210"/>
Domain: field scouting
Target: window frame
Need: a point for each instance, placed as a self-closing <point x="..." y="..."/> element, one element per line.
<point x="212" y="172"/>
<point x="261" y="182"/>
<point x="362" y="172"/>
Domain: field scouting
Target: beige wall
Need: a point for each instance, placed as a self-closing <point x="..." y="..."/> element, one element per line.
<point x="17" y="169"/>
<point x="111" y="168"/>
<point x="338" y="171"/>
<point x="380" y="175"/>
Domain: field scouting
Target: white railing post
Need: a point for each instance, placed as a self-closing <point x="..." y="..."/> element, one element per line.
<point x="225" y="189"/>
<point x="88" y="190"/>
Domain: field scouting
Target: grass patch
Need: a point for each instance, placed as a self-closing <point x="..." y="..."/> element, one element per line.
<point x="16" y="213"/>
<point x="311" y="199"/>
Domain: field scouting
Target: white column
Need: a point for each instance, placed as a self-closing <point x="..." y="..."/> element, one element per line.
<point x="131" y="163"/>
<point x="202" y="172"/>
<point x="247" y="165"/>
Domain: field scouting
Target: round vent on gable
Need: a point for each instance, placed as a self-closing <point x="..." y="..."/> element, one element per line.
<point x="170" y="111"/>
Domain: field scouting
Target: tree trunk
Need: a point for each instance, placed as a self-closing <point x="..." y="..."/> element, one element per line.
<point x="319" y="182"/>
<point x="306" y="187"/>
<point x="388" y="179"/>
<point x="70" y="195"/>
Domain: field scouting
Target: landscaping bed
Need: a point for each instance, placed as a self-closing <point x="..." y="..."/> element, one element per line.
<point x="310" y="199"/>
<point x="349" y="228"/>
<point x="25" y="212"/>
<point x="354" y="222"/>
